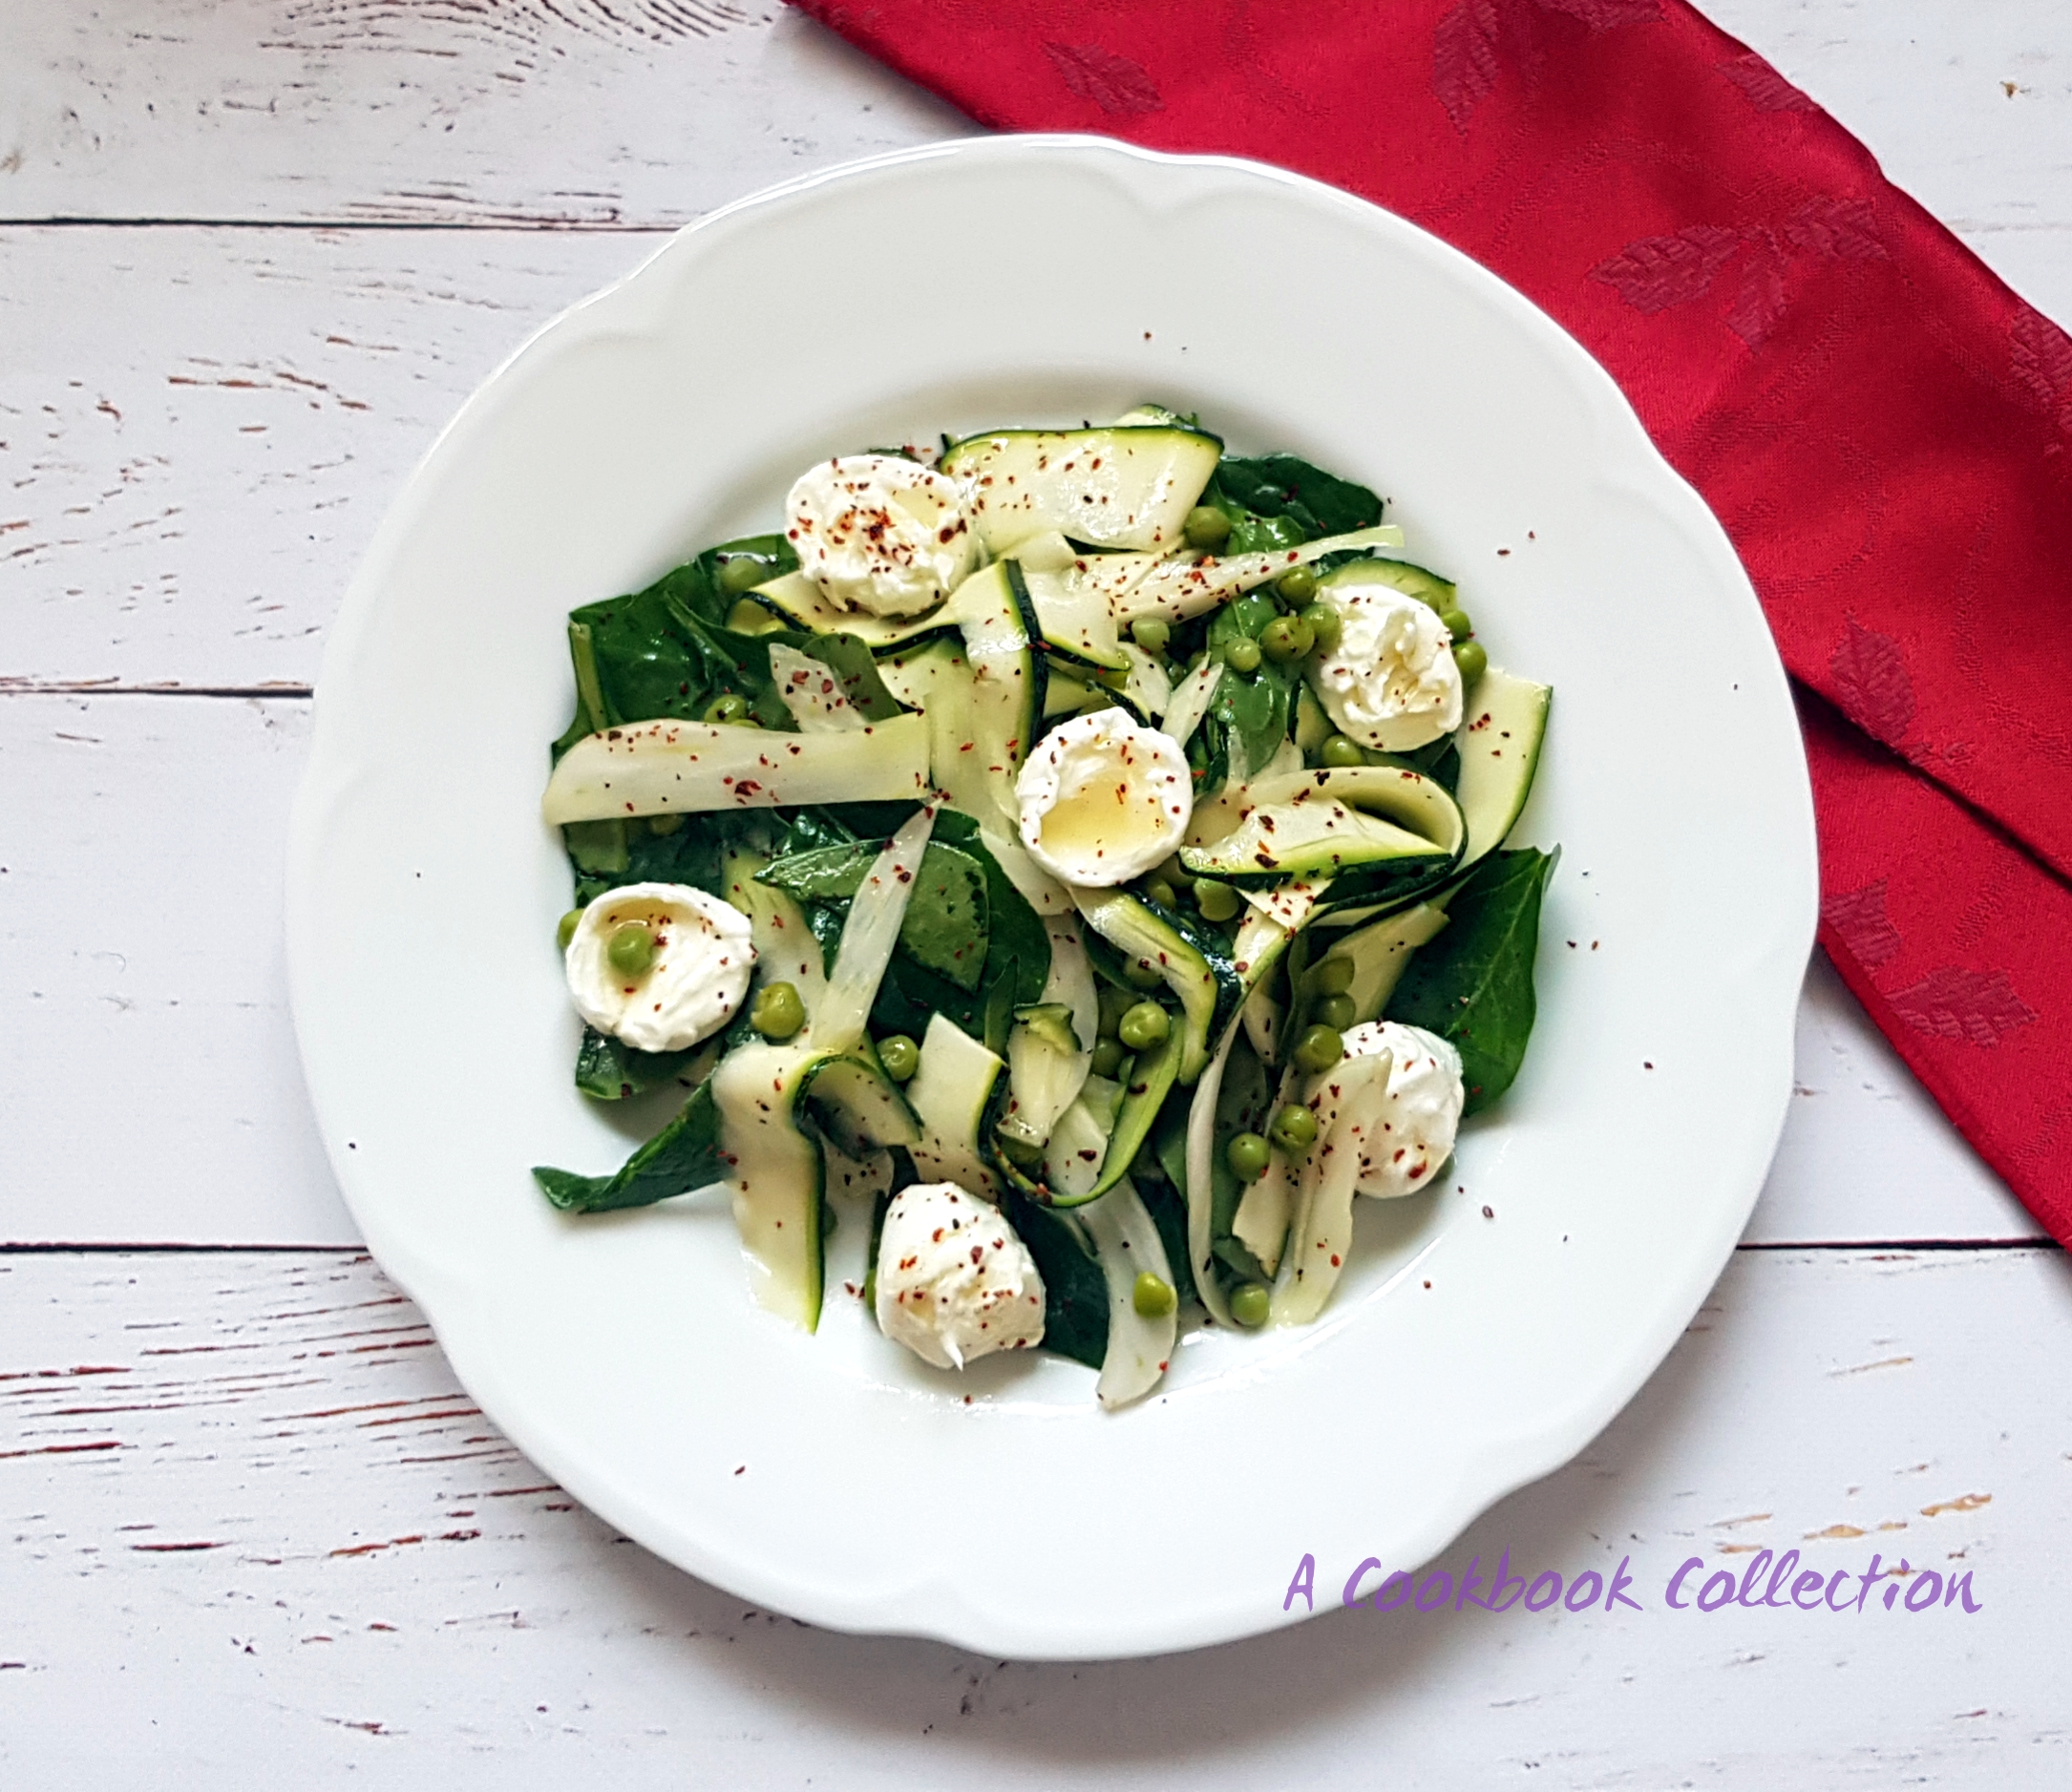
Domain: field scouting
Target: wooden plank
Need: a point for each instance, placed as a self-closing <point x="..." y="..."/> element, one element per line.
<point x="1865" y="1154"/>
<point x="603" y="112"/>
<point x="595" y="112"/>
<point x="162" y="1102"/>
<point x="1967" y="106"/>
<point x="187" y="485"/>
<point x="258" y="1533"/>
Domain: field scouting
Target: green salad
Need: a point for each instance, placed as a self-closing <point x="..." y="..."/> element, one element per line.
<point x="1077" y="856"/>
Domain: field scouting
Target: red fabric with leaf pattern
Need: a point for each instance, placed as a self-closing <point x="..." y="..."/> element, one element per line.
<point x="1880" y="423"/>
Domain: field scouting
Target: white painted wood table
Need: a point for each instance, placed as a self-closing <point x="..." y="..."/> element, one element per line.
<point x="252" y="254"/>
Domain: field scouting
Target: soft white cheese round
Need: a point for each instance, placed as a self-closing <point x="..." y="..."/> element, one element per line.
<point x="1390" y="683"/>
<point x="1421" y="1110"/>
<point x="880" y="533"/>
<point x="954" y="1282"/>
<point x="1103" y="800"/>
<point x="703" y="955"/>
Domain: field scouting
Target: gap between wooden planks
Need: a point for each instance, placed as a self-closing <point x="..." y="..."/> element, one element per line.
<point x="254" y="1524"/>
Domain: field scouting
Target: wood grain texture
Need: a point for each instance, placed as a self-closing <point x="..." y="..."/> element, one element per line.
<point x="187" y="485"/>
<point x="257" y="1535"/>
<point x="603" y="114"/>
<point x="587" y="113"/>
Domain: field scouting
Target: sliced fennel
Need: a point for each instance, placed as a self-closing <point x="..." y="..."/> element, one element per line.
<point x="1127" y="1244"/>
<point x="1347" y="1101"/>
<point x="950" y="1094"/>
<point x="874" y="916"/>
<point x="1173" y="591"/>
<point x="674" y="768"/>
<point x="812" y="692"/>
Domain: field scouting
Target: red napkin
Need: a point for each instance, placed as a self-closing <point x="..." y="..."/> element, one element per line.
<point x="1881" y="426"/>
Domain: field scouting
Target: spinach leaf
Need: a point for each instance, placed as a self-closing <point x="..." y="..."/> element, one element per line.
<point x="666" y="651"/>
<point x="1287" y="486"/>
<point x="854" y="665"/>
<point x="1076" y="1291"/>
<point x="1249" y="714"/>
<point x="608" y="1069"/>
<point x="812" y="828"/>
<point x="1017" y="958"/>
<point x="1251" y="534"/>
<point x="1016" y="934"/>
<point x="609" y="853"/>
<point x="1473" y="984"/>
<point x="945" y="928"/>
<point x="683" y="1155"/>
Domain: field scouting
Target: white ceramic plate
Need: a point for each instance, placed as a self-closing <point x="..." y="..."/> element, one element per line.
<point x="832" y="1477"/>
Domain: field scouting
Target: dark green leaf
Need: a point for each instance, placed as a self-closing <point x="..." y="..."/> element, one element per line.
<point x="683" y="1155"/>
<point x="856" y="667"/>
<point x="667" y="651"/>
<point x="608" y="1069"/>
<point x="688" y="855"/>
<point x="946" y="921"/>
<point x="1251" y="711"/>
<point x="1160" y="1177"/>
<point x="1075" y="1290"/>
<point x="1473" y="984"/>
<point x="1262" y="535"/>
<point x="810" y="828"/>
<point x="1018" y="948"/>
<point x="1286" y="485"/>
<point x="827" y="874"/>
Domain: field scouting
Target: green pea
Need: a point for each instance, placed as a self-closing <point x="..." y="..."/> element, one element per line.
<point x="1294" y="1127"/>
<point x="1143" y="973"/>
<point x="1177" y="873"/>
<point x="566" y="930"/>
<point x="739" y="572"/>
<point x="1298" y="585"/>
<point x="1323" y="624"/>
<point x="1335" y="1012"/>
<point x="1145" y="1025"/>
<point x="1251" y="1304"/>
<point x="1216" y="902"/>
<point x="1206" y="528"/>
<point x="631" y="949"/>
<point x="1472" y="661"/>
<point x="1286" y="638"/>
<point x="1341" y="752"/>
<point x="1152" y="1297"/>
<point x="663" y="824"/>
<point x="1107" y="1057"/>
<point x="1247" y="1155"/>
<point x="1150" y="634"/>
<point x="1241" y="654"/>
<point x="778" y="1011"/>
<point x="1456" y="624"/>
<point x="1157" y="890"/>
<point x="1319" y="1048"/>
<point x="1332" y="974"/>
<point x="900" y="1056"/>
<point x="727" y="709"/>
